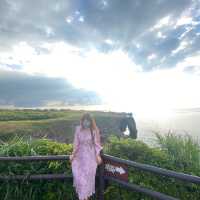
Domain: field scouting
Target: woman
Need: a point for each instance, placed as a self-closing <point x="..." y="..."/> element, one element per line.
<point x="85" y="155"/>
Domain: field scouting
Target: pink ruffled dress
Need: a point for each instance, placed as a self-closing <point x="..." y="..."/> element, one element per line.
<point x="84" y="164"/>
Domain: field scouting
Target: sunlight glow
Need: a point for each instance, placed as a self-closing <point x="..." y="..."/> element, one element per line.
<point x="121" y="83"/>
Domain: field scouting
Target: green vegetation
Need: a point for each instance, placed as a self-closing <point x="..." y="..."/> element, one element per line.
<point x="183" y="150"/>
<point x="19" y="115"/>
<point x="173" y="152"/>
<point x="19" y="130"/>
<point x="53" y="124"/>
<point x="40" y="190"/>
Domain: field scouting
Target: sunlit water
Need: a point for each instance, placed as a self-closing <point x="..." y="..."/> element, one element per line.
<point x="179" y="123"/>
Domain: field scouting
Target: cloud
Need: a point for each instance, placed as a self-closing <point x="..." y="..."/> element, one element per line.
<point x="181" y="47"/>
<point x="104" y="25"/>
<point x="79" y="23"/>
<point x="151" y="56"/>
<point x="101" y="72"/>
<point x="171" y="37"/>
<point x="160" y="35"/>
<point x="90" y="42"/>
<point x="190" y="64"/>
<point x="23" y="90"/>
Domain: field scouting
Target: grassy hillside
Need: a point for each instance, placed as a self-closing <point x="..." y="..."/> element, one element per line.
<point x="53" y="124"/>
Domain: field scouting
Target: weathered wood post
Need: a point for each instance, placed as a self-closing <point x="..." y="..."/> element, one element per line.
<point x="101" y="180"/>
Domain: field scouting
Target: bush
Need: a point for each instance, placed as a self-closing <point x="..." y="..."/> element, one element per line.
<point x="161" y="156"/>
<point x="173" y="152"/>
<point x="184" y="151"/>
<point x="40" y="190"/>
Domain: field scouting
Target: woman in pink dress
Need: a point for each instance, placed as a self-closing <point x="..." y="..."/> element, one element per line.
<point x="84" y="158"/>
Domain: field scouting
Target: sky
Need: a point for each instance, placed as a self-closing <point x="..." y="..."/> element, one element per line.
<point x="131" y="55"/>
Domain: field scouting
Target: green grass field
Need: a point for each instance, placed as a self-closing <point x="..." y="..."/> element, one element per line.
<point x="53" y="124"/>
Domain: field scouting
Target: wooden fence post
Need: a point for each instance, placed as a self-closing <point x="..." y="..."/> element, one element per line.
<point x="101" y="180"/>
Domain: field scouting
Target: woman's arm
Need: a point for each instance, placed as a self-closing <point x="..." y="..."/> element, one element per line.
<point x="75" y="142"/>
<point x="98" y="145"/>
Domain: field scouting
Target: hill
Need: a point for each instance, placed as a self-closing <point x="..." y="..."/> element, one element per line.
<point x="53" y="124"/>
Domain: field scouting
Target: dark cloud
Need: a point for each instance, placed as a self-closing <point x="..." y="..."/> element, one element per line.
<point x="91" y="22"/>
<point x="164" y="47"/>
<point x="106" y="25"/>
<point x="22" y="90"/>
<point x="125" y="21"/>
<point x="46" y="20"/>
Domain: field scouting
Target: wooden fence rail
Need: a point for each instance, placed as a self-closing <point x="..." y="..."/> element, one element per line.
<point x="102" y="173"/>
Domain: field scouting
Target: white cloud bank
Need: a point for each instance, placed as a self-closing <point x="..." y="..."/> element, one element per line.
<point x="122" y="84"/>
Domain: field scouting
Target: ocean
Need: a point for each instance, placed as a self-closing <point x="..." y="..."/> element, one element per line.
<point x="179" y="122"/>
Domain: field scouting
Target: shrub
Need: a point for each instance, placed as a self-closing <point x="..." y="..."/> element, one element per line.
<point x="40" y="190"/>
<point x="138" y="151"/>
<point x="173" y="152"/>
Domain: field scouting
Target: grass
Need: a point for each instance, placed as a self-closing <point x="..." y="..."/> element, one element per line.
<point x="53" y="124"/>
<point x="184" y="150"/>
